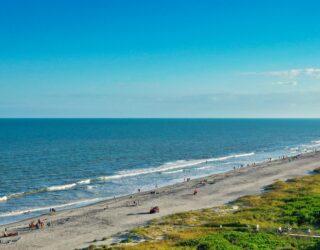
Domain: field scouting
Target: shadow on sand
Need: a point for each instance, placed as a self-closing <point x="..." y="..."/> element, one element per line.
<point x="139" y="213"/>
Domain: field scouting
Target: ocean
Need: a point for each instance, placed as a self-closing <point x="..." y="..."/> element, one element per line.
<point x="65" y="163"/>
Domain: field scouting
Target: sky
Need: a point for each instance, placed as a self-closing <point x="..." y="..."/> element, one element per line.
<point x="154" y="59"/>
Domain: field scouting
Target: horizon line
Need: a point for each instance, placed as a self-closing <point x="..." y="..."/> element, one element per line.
<point x="150" y="118"/>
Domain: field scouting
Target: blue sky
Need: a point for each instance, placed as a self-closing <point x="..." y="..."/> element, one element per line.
<point x="142" y="58"/>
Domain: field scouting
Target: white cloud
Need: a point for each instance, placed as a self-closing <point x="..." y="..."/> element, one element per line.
<point x="290" y="73"/>
<point x="286" y="83"/>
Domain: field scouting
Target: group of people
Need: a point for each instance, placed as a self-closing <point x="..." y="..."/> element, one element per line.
<point x="38" y="225"/>
<point x="52" y="210"/>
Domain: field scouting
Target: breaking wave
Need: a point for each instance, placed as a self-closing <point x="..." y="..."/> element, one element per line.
<point x="3" y="198"/>
<point x="39" y="209"/>
<point x="61" y="187"/>
<point x="41" y="190"/>
<point x="167" y="168"/>
<point x="204" y="167"/>
<point x="306" y="148"/>
<point x="84" y="182"/>
<point x="173" y="172"/>
<point x="171" y="166"/>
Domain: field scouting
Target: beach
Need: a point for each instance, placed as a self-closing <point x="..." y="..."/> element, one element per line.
<point x="78" y="228"/>
<point x="139" y="125"/>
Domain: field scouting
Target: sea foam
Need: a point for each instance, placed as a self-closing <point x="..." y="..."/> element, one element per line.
<point x="84" y="182"/>
<point x="3" y="198"/>
<point x="39" y="209"/>
<point x="61" y="187"/>
<point x="167" y="168"/>
<point x="172" y="165"/>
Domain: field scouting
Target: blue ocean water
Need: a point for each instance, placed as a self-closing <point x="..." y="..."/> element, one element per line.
<point x="64" y="163"/>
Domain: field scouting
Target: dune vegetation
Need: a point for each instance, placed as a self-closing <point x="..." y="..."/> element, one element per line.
<point x="285" y="216"/>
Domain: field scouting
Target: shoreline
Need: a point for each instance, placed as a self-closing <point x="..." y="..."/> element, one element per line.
<point x="77" y="226"/>
<point x="39" y="211"/>
<point x="108" y="199"/>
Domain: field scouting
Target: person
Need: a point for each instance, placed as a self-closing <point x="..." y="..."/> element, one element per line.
<point x="52" y="210"/>
<point x="6" y="234"/>
<point x="40" y="224"/>
<point x="195" y="192"/>
<point x="32" y="225"/>
<point x="154" y="210"/>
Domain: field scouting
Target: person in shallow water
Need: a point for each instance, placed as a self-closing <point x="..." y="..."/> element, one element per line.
<point x="52" y="210"/>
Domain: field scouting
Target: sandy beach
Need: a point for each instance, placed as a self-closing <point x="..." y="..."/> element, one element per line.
<point x="77" y="228"/>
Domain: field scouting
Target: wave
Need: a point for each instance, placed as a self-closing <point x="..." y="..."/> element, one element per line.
<point x="173" y="172"/>
<point x="39" y="209"/>
<point x="171" y="166"/>
<point x="3" y="198"/>
<point x="306" y="148"/>
<point x="231" y="157"/>
<point x="17" y="195"/>
<point x="84" y="182"/>
<point x="61" y="187"/>
<point x="204" y="167"/>
<point x="91" y="187"/>
<point x="42" y="190"/>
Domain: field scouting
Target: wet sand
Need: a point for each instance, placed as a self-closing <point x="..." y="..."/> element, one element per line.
<point x="77" y="228"/>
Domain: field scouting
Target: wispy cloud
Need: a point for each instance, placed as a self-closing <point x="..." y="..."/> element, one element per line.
<point x="290" y="73"/>
<point x="286" y="83"/>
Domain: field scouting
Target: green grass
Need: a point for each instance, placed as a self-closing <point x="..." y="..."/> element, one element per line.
<point x="294" y="204"/>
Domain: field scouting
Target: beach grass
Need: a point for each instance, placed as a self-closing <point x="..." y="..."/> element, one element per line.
<point x="293" y="205"/>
